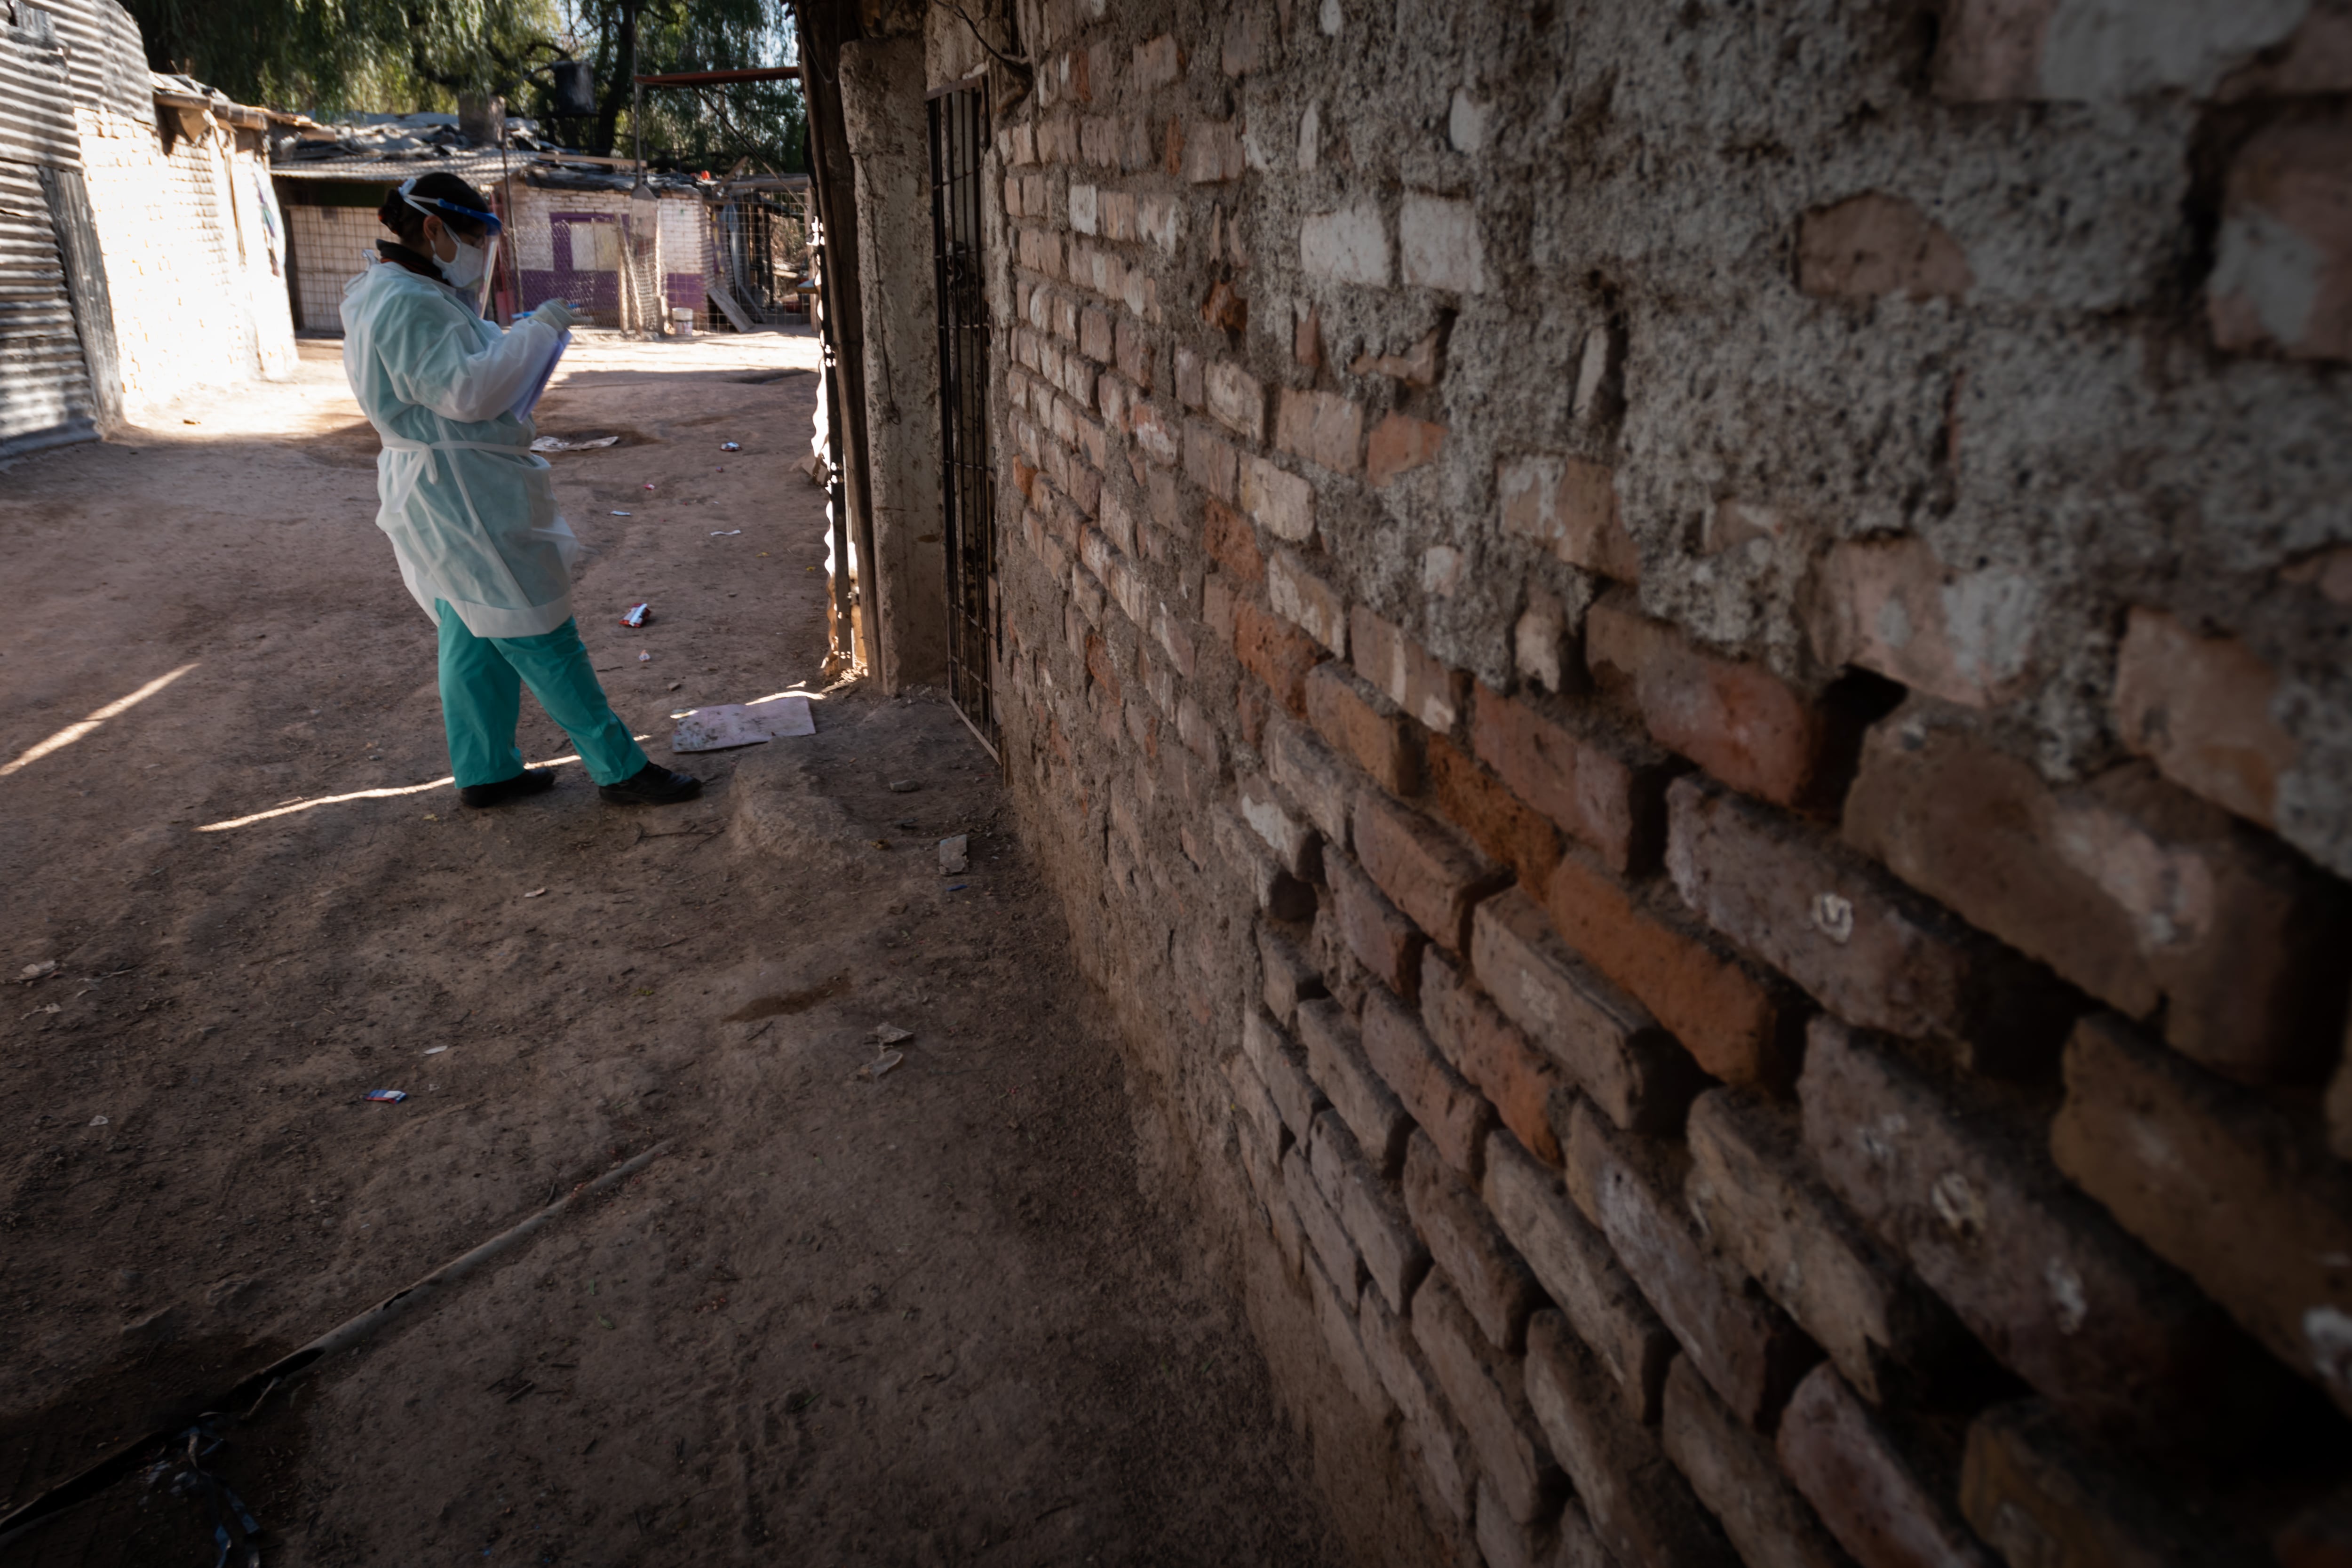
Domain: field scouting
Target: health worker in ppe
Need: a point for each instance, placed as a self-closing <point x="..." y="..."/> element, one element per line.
<point x="470" y="508"/>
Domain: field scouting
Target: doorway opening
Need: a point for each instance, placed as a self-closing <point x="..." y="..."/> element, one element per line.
<point x="959" y="132"/>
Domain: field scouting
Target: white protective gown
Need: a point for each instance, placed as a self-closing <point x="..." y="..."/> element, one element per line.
<point x="470" y="508"/>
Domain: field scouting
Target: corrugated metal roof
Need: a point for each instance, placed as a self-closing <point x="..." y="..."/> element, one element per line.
<point x="473" y="165"/>
<point x="37" y="123"/>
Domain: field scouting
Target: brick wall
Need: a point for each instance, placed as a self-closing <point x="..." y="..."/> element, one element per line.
<point x="196" y="300"/>
<point x="1685" y="669"/>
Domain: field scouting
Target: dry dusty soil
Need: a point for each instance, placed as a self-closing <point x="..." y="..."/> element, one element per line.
<point x="939" y="1317"/>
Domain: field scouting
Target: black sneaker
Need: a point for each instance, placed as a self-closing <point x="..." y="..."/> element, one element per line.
<point x="530" y="781"/>
<point x="652" y="785"/>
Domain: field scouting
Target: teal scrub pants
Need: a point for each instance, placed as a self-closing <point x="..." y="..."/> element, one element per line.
<point x="481" y="698"/>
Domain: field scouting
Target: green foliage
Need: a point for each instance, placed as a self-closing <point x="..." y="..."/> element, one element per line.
<point x="332" y="57"/>
<point x="329" y="58"/>
<point x="698" y="128"/>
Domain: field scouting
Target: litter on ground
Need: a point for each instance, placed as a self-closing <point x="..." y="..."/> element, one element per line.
<point x="888" y="1033"/>
<point x="725" y="532"/>
<point x="637" y="615"/>
<point x="730" y="445"/>
<point x="561" y="444"/>
<point x="955" y="854"/>
<point x="623" y="514"/>
<point x="882" y="1064"/>
<point x="388" y="1096"/>
<point x="743" y="725"/>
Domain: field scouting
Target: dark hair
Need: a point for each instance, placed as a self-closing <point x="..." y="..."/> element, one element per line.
<point x="405" y="221"/>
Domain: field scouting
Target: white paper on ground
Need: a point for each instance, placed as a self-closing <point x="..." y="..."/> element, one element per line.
<point x="743" y="725"/>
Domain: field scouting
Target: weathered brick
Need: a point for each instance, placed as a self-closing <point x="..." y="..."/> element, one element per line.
<point x="1499" y="822"/>
<point x="1212" y="462"/>
<point x="2029" y="1264"/>
<point x="2282" y="218"/>
<point x="1157" y="63"/>
<point x="1258" y="1115"/>
<point x="1321" y="427"/>
<point x="2132" y="890"/>
<point x="1429" y="1427"/>
<point x="1488" y="1049"/>
<point x="2200" y="709"/>
<point x="1402" y="671"/>
<point x="1752" y="1193"/>
<point x="1275" y="652"/>
<point x="1484" y="1387"/>
<point x="1231" y="541"/>
<point x="1417" y="366"/>
<point x="1191" y="388"/>
<point x="1274" y="890"/>
<point x="1362" y="724"/>
<point x="1348" y="245"/>
<point x="1336" y="1058"/>
<point x="1383" y="940"/>
<point x="1370" y="1210"/>
<point x="1438" y="244"/>
<point x="1866" y="948"/>
<point x="2221" y="1183"/>
<point x="1297" y="595"/>
<point x="1890" y="606"/>
<point x="1295" y="843"/>
<point x="1320" y="782"/>
<point x="1875" y="244"/>
<point x="1449" y="1109"/>
<point x="1864" y="1488"/>
<point x="1289" y="978"/>
<point x="1213" y="152"/>
<point x="1737" y="720"/>
<point x="1504" y="1542"/>
<point x="1569" y="507"/>
<point x="1237" y="399"/>
<point x="1282" y="1068"/>
<point x="1638" y="1504"/>
<point x="1745" y="1347"/>
<point x="1730" y="1018"/>
<point x="1400" y="443"/>
<point x="1135" y="353"/>
<point x="1572" y="1262"/>
<point x="1604" y="1040"/>
<point x="1095" y="337"/>
<point x="1325" y="1236"/>
<point x="1335" y="1316"/>
<point x="1490" y="1279"/>
<point x="1736" y="1475"/>
<point x="2035" y="1495"/>
<point x="1282" y="502"/>
<point x="1598" y="789"/>
<point x="1425" y="874"/>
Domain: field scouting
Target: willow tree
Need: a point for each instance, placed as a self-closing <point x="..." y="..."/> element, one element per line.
<point x="332" y="57"/>
<point x="763" y="123"/>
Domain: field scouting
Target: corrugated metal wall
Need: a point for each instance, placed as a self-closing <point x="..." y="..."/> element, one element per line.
<point x="105" y="58"/>
<point x="46" y="395"/>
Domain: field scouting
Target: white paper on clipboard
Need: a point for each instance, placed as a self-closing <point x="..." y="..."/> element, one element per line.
<point x="523" y="405"/>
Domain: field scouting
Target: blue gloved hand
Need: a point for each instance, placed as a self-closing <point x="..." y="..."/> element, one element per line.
<point x="558" y="314"/>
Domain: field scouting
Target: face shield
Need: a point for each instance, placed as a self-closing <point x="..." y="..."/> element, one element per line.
<point x="475" y="259"/>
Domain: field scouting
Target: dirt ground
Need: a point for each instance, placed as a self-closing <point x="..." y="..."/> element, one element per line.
<point x="938" y="1316"/>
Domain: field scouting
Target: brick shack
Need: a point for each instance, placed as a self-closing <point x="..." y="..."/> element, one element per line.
<point x="1685" y="669"/>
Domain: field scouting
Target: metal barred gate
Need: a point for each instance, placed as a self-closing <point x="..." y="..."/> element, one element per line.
<point x="959" y="129"/>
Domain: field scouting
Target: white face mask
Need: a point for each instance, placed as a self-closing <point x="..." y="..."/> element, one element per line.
<point x="470" y="266"/>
